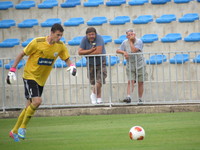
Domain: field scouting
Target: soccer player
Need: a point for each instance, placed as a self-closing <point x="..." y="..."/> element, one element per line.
<point x="42" y="52"/>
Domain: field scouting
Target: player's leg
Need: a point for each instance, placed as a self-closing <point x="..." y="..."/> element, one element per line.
<point x="33" y="91"/>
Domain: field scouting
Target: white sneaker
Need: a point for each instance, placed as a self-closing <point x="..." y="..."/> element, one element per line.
<point x="93" y="98"/>
<point x="99" y="101"/>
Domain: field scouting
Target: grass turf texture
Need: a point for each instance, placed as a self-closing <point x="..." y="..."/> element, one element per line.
<point x="164" y="131"/>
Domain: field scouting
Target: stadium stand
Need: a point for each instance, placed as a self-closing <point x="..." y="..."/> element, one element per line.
<point x="48" y="4"/>
<point x="190" y="17"/>
<point x="25" y="5"/>
<point x="6" y="5"/>
<point x="179" y="59"/>
<point x="70" y="3"/>
<point x="7" y="23"/>
<point x="137" y="2"/>
<point x="115" y="2"/>
<point x="20" y="65"/>
<point x="166" y="18"/>
<point x="149" y="38"/>
<point x="171" y="37"/>
<point x="192" y="37"/>
<point x="93" y="3"/>
<point x="196" y="59"/>
<point x="156" y="59"/>
<point x="60" y="63"/>
<point x="63" y="39"/>
<point x="181" y="1"/>
<point x="75" y="40"/>
<point x="97" y="21"/>
<point x="120" y="39"/>
<point x="119" y="20"/>
<point x="112" y="60"/>
<point x="25" y="43"/>
<point x="82" y="62"/>
<point x="144" y="19"/>
<point x="74" y="21"/>
<point x="50" y="22"/>
<point x="158" y="2"/>
<point x="28" y="23"/>
<point x="10" y="43"/>
<point x="107" y="38"/>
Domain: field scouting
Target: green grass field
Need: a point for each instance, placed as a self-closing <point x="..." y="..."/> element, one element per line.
<point x="164" y="131"/>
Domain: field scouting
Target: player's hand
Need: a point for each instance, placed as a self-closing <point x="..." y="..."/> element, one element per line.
<point x="11" y="77"/>
<point x="72" y="70"/>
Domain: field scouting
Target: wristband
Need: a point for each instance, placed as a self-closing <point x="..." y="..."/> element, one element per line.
<point x="72" y="65"/>
<point x="13" y="69"/>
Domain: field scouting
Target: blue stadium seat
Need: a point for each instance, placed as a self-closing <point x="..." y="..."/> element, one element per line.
<point x="97" y="21"/>
<point x="9" y="43"/>
<point x="179" y="59"/>
<point x="149" y="38"/>
<point x="112" y="60"/>
<point x="193" y="37"/>
<point x="25" y="43"/>
<point x="107" y="38"/>
<point x="137" y="2"/>
<point x="28" y="23"/>
<point x="70" y="3"/>
<point x="25" y="5"/>
<point x="75" y="40"/>
<point x="119" y="20"/>
<point x="190" y="17"/>
<point x="63" y="39"/>
<point x="196" y="59"/>
<point x="198" y="0"/>
<point x="171" y="37"/>
<point x="50" y="22"/>
<point x="20" y="65"/>
<point x="60" y="64"/>
<point x="115" y="2"/>
<point x="7" y="23"/>
<point x="74" y="21"/>
<point x="159" y="2"/>
<point x="167" y="18"/>
<point x="120" y="39"/>
<point x="6" y="5"/>
<point x="93" y="3"/>
<point x="48" y="4"/>
<point x="82" y="62"/>
<point x="144" y="19"/>
<point x="156" y="59"/>
<point x="1" y="63"/>
<point x="181" y="1"/>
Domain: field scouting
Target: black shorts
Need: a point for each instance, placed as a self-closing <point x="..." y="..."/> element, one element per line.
<point x="32" y="89"/>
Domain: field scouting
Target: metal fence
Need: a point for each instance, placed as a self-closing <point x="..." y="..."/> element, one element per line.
<point x="170" y="80"/>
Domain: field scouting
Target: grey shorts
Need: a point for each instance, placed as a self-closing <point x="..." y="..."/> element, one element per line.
<point x="139" y="75"/>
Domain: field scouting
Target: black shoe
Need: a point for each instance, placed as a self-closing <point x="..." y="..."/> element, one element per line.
<point x="140" y="102"/>
<point x="127" y="100"/>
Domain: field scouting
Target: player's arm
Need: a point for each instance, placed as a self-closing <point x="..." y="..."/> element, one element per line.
<point x="18" y="58"/>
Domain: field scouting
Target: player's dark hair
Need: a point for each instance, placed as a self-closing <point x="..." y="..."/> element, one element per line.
<point x="57" y="27"/>
<point x="91" y="29"/>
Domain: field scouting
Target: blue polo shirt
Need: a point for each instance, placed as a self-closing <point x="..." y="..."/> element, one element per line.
<point x="85" y="44"/>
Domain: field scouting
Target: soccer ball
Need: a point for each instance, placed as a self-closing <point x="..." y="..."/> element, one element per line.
<point x="137" y="133"/>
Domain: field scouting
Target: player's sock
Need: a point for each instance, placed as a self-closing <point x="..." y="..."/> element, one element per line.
<point x="29" y="113"/>
<point x="19" y="121"/>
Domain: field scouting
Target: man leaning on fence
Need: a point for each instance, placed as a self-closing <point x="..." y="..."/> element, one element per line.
<point x="93" y="44"/>
<point x="135" y="65"/>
